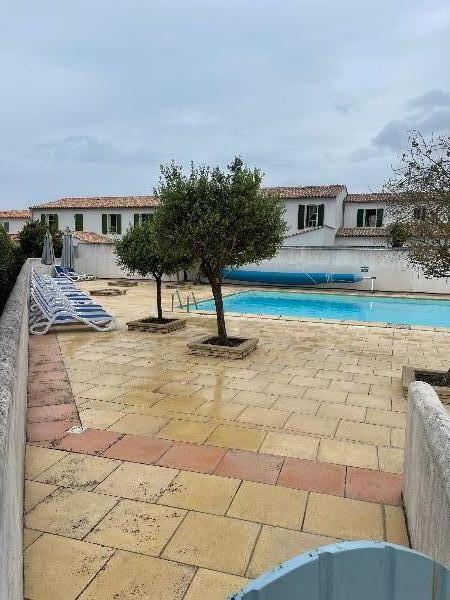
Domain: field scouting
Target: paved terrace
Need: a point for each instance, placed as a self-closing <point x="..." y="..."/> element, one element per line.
<point x="196" y="473"/>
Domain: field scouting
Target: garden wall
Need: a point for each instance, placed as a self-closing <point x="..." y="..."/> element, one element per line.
<point x="13" y="399"/>
<point x="426" y="490"/>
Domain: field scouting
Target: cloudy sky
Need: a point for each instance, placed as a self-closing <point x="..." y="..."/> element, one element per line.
<point x="94" y="95"/>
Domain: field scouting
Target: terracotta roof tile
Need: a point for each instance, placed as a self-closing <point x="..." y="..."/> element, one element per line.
<point x="308" y="191"/>
<point x="300" y="231"/>
<point x="379" y="197"/>
<point x="362" y="232"/>
<point x="15" y="214"/>
<point x="89" y="237"/>
<point x="102" y="202"/>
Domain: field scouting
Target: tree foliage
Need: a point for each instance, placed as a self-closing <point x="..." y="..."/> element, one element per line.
<point x="421" y="211"/>
<point x="138" y="252"/>
<point x="221" y="217"/>
<point x="31" y="239"/>
<point x="11" y="260"/>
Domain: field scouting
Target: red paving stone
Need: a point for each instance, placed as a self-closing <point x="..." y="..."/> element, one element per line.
<point x="47" y="377"/>
<point x="48" y="431"/>
<point x="374" y="486"/>
<point x="58" y="412"/>
<point x="141" y="449"/>
<point x="90" y="441"/>
<point x="313" y="476"/>
<point x="251" y="466"/>
<point x="45" y="366"/>
<point x="192" y="457"/>
<point x="53" y="386"/>
<point x="50" y="397"/>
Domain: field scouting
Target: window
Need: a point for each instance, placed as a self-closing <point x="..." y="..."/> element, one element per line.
<point x="79" y="222"/>
<point x="111" y="223"/>
<point x="369" y="217"/>
<point x="420" y="213"/>
<point x="310" y="215"/>
<point x="50" y="219"/>
<point x="140" y="218"/>
<point x="5" y="225"/>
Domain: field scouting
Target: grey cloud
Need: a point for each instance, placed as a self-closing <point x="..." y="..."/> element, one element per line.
<point x="432" y="99"/>
<point x="345" y="108"/>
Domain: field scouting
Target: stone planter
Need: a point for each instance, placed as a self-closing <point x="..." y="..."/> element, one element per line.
<point x="411" y="374"/>
<point x="107" y="292"/>
<point x="123" y="283"/>
<point x="202" y="347"/>
<point x="151" y="325"/>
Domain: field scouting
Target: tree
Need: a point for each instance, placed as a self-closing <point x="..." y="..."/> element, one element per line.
<point x="31" y="239"/>
<point x="222" y="218"/>
<point x="11" y="260"/>
<point x="421" y="211"/>
<point x="138" y="252"/>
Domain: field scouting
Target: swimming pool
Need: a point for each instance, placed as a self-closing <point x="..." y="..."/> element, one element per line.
<point x="380" y="309"/>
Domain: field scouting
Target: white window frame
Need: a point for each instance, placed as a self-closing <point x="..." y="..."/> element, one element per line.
<point x="109" y="227"/>
<point x="312" y="215"/>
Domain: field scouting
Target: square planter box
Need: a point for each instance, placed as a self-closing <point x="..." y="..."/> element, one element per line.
<point x="123" y="283"/>
<point x="107" y="292"/>
<point x="153" y="327"/>
<point x="235" y="352"/>
<point x="411" y="374"/>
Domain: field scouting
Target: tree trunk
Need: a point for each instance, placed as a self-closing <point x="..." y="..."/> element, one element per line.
<point x="216" y="286"/>
<point x="447" y="379"/>
<point x="185" y="275"/>
<point x="158" y="298"/>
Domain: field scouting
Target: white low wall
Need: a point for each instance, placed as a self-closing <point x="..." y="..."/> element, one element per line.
<point x="426" y="489"/>
<point x="13" y="405"/>
<point x="388" y="266"/>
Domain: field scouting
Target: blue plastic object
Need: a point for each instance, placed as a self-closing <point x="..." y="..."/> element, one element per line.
<point x="287" y="278"/>
<point x="353" y="571"/>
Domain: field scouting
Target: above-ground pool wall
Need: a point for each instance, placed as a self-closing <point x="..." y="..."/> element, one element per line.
<point x="13" y="400"/>
<point x="389" y="267"/>
<point x="426" y="488"/>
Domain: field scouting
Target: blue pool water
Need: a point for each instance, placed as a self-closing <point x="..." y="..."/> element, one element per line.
<point x="405" y="311"/>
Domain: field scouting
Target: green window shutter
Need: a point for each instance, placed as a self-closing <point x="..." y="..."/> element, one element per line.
<point x="78" y="222"/>
<point x="136" y="219"/>
<point x="301" y="216"/>
<point x="380" y="217"/>
<point x="105" y="224"/>
<point x="55" y="221"/>
<point x="119" y="224"/>
<point x="320" y="215"/>
<point x="43" y="218"/>
<point x="360" y="217"/>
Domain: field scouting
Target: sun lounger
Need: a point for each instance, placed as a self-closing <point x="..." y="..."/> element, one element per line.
<point x="71" y="274"/>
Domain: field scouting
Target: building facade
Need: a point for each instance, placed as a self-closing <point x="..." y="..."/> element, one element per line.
<point x="12" y="221"/>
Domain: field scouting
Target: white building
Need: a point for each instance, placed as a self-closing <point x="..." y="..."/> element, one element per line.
<point x="13" y="220"/>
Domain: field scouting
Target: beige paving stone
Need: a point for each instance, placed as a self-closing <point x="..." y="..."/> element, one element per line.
<point x="264" y="416"/>
<point x="216" y="393"/>
<point x="30" y="536"/>
<point x="343" y="518"/>
<point x="255" y="398"/>
<point x="285" y="444"/>
<point x="214" y="585"/>
<point x="99" y="418"/>
<point x="213" y="542"/>
<point x="187" y="431"/>
<point x="398" y="438"/>
<point x="369" y="401"/>
<point x="276" y="545"/>
<point x="334" y="374"/>
<point x="348" y="453"/>
<point x="330" y="395"/>
<point x="110" y="380"/>
<point x="137" y="527"/>
<point x="185" y="404"/>
<point x="81" y="376"/>
<point x="178" y="389"/>
<point x="143" y="398"/>
<point x="203" y="493"/>
<point x="129" y="576"/>
<point x="35" y="492"/>
<point x="302" y="405"/>
<point x="39" y="459"/>
<point x="349" y="386"/>
<point x="137" y="482"/>
<point x="138" y="424"/>
<point x="240" y="373"/>
<point x="312" y="424"/>
<point x="293" y="389"/>
<point x="220" y="410"/>
<point x="342" y="411"/>
<point x="69" y="512"/>
<point x="102" y="393"/>
<point x="378" y="380"/>
<point x="59" y="568"/>
<point x="363" y="432"/>
<point x="309" y="382"/>
<point x="79" y="471"/>
<point x="385" y="417"/>
<point x="391" y="459"/>
<point x="396" y="531"/>
<point x="239" y="438"/>
<point x="245" y="385"/>
<point x="269" y="504"/>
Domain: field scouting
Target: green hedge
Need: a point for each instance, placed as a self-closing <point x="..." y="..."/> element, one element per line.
<point x="11" y="260"/>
